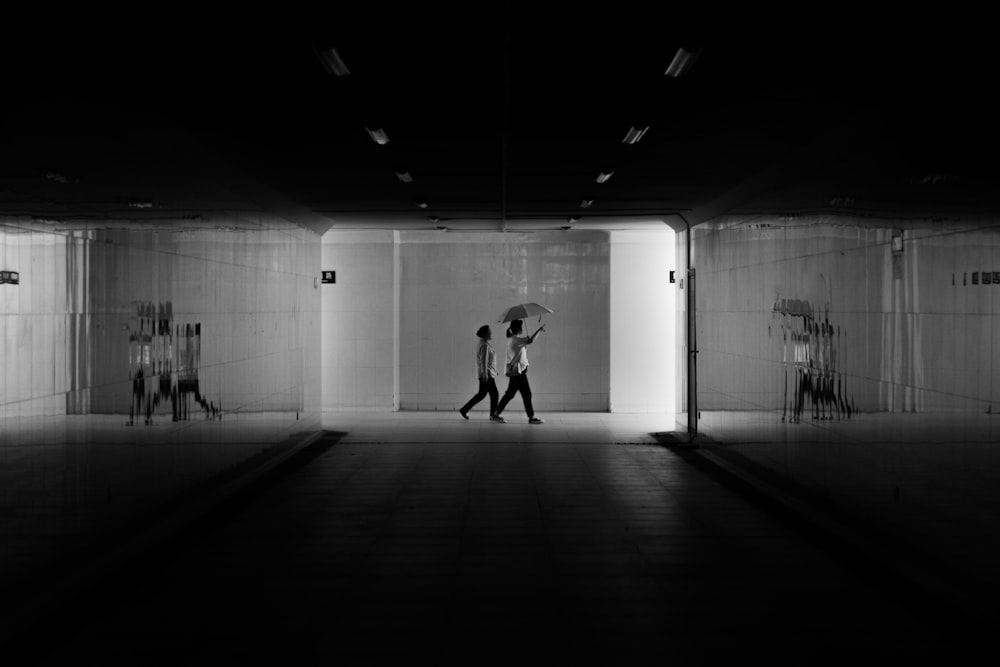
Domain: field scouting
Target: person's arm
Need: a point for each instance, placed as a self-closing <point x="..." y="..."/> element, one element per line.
<point x="537" y="331"/>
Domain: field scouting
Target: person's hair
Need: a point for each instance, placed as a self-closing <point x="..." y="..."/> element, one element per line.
<point x="483" y="330"/>
<point x="514" y="328"/>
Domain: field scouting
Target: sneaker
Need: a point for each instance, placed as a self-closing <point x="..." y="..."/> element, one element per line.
<point x="535" y="420"/>
<point x="464" y="415"/>
<point x="498" y="418"/>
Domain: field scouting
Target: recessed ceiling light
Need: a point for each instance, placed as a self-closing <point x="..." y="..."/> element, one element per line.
<point x="604" y="176"/>
<point x="404" y="176"/>
<point x="332" y="62"/>
<point x="634" y="134"/>
<point x="682" y="62"/>
<point x="378" y="136"/>
<point x="421" y="203"/>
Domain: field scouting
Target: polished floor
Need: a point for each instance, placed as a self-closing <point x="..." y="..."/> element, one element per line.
<point x="595" y="538"/>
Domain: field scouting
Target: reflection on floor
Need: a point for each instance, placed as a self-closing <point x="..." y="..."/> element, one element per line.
<point x="414" y="536"/>
<point x="67" y="480"/>
<point x="931" y="478"/>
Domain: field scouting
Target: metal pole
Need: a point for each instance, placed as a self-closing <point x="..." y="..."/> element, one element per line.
<point x="692" y="355"/>
<point x="692" y="344"/>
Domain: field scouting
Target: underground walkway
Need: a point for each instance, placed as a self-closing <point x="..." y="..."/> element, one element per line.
<point x="420" y="536"/>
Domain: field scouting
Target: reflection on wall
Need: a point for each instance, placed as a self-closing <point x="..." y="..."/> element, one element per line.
<point x="831" y="316"/>
<point x="164" y="358"/>
<point x="175" y="318"/>
<point x="811" y="350"/>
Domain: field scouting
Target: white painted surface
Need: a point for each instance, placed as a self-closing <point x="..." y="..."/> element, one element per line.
<point x="643" y="329"/>
<point x="359" y="350"/>
<point x="452" y="283"/>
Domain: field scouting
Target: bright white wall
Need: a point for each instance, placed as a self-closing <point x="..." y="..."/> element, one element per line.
<point x="643" y="331"/>
<point x="359" y="321"/>
<point x="399" y="325"/>
<point x="452" y="283"/>
<point x="33" y="323"/>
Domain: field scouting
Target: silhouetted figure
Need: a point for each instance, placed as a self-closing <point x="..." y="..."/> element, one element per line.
<point x="486" y="370"/>
<point x="517" y="369"/>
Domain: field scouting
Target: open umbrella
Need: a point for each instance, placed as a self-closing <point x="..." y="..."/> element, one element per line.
<point x="522" y="311"/>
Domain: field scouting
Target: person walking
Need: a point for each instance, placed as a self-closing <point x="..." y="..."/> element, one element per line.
<point x="486" y="368"/>
<point x="517" y="369"/>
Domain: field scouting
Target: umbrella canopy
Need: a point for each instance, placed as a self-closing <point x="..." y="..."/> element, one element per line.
<point x="522" y="311"/>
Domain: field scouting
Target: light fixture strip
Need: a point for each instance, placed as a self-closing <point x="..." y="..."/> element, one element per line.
<point x="682" y="62"/>
<point x="378" y="136"/>
<point x="634" y="135"/>
<point x="332" y="61"/>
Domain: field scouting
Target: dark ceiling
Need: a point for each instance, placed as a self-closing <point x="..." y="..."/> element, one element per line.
<point x="498" y="111"/>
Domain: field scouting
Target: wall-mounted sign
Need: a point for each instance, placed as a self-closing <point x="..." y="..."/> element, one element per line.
<point x="12" y="277"/>
<point x="329" y="277"/>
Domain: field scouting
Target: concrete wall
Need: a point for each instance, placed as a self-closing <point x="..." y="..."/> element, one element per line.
<point x="453" y="283"/>
<point x="435" y="289"/>
<point x="886" y="331"/>
<point x="34" y="320"/>
<point x="643" y="338"/>
<point x="176" y="319"/>
<point x="359" y="321"/>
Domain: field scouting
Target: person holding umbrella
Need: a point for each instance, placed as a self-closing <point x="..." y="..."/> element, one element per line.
<point x="486" y="367"/>
<point x="517" y="369"/>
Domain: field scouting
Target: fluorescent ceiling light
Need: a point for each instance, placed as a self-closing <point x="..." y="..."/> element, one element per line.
<point x="332" y="61"/>
<point x="634" y="135"/>
<point x="378" y="136"/>
<point x="404" y="176"/>
<point x="682" y="62"/>
<point x="604" y="176"/>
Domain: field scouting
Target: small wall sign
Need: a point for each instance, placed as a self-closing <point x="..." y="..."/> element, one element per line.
<point x="12" y="277"/>
<point x="329" y="277"/>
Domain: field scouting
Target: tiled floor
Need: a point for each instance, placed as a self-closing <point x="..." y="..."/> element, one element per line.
<point x="421" y="536"/>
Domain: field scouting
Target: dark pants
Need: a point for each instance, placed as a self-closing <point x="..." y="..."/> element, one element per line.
<point x="518" y="383"/>
<point x="485" y="387"/>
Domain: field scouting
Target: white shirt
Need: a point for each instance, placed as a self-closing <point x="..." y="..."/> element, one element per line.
<point x="486" y="360"/>
<point x="517" y="353"/>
